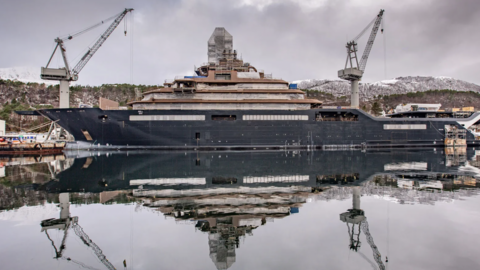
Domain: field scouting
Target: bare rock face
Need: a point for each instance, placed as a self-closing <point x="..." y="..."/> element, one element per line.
<point x="400" y="85"/>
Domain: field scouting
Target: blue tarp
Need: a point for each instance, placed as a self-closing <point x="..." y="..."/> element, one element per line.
<point x="292" y="86"/>
<point x="193" y="77"/>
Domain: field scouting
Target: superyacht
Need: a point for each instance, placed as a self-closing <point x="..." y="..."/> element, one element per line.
<point x="230" y="104"/>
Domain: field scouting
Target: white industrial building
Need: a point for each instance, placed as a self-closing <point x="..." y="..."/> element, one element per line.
<point x="417" y="107"/>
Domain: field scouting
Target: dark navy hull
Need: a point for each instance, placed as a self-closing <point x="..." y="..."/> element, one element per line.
<point x="114" y="128"/>
<point x="93" y="172"/>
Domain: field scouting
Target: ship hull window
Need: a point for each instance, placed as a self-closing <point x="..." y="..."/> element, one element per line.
<point x="275" y="117"/>
<point x="167" y="118"/>
<point x="396" y="127"/>
<point x="223" y="77"/>
<point x="272" y="179"/>
<point x="220" y="180"/>
<point x="336" y="116"/>
<point x="224" y="117"/>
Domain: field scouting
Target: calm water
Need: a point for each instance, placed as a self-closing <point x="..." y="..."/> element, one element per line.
<point x="241" y="210"/>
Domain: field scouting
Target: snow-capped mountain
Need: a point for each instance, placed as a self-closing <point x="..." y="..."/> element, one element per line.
<point x="397" y="195"/>
<point x="400" y="85"/>
<point x="23" y="74"/>
<point x="30" y="214"/>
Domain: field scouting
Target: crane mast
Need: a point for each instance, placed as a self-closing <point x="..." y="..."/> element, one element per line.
<point x="354" y="69"/>
<point x="65" y="75"/>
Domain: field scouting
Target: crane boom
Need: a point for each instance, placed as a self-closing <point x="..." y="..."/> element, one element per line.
<point x="87" y="241"/>
<point x="376" y="254"/>
<point x="88" y="55"/>
<point x="371" y="39"/>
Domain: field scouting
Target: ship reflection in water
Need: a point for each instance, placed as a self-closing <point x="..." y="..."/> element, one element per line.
<point x="229" y="196"/>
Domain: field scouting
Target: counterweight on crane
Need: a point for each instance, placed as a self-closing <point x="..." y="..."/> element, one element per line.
<point x="354" y="70"/>
<point x="65" y="75"/>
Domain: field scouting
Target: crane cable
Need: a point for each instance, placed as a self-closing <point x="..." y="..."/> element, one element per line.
<point x="69" y="37"/>
<point x="131" y="262"/>
<point x="131" y="238"/>
<point x="79" y="263"/>
<point x="131" y="46"/>
<point x="384" y="47"/>
<point x="125" y="25"/>
<point x="388" y="234"/>
<point x="365" y="29"/>
<point x="82" y="52"/>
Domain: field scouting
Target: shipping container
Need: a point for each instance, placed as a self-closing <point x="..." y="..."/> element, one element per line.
<point x="294" y="210"/>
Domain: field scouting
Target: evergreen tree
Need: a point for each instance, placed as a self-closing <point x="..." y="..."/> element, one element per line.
<point x="376" y="109"/>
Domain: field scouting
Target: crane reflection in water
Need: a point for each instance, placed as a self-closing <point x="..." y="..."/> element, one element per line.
<point x="356" y="218"/>
<point x="65" y="222"/>
<point x="230" y="207"/>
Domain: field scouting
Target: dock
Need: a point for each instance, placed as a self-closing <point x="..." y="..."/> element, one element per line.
<point x="31" y="148"/>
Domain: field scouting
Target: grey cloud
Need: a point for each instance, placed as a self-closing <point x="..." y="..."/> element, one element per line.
<point x="292" y="42"/>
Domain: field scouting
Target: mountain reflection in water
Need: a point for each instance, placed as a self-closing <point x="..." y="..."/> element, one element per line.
<point x="229" y="195"/>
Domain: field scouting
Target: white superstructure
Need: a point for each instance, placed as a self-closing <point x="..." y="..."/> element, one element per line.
<point x="417" y="107"/>
<point x="225" y="83"/>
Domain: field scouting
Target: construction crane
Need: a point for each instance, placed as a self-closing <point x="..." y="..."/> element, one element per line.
<point x="356" y="216"/>
<point x="64" y="223"/>
<point x="376" y="254"/>
<point x="354" y="70"/>
<point x="65" y="75"/>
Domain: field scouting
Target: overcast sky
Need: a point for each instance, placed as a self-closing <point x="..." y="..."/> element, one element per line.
<point x="293" y="39"/>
